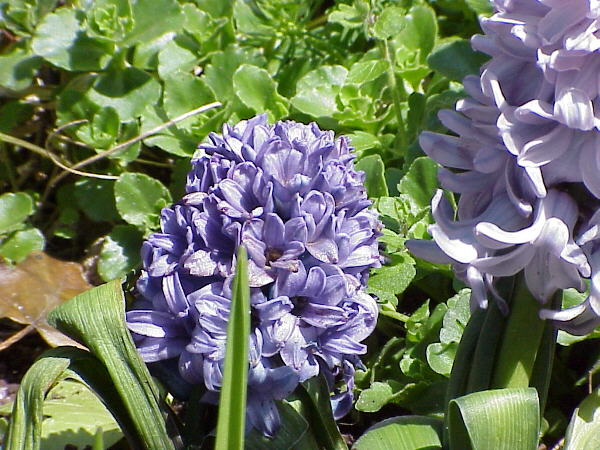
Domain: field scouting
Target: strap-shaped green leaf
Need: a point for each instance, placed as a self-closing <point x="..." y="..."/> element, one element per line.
<point x="54" y="366"/>
<point x="584" y="429"/>
<point x="95" y="319"/>
<point x="231" y="424"/>
<point x="316" y="401"/>
<point x="402" y="433"/>
<point x="502" y="419"/>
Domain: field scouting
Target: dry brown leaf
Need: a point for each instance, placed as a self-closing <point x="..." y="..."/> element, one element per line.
<point x="31" y="289"/>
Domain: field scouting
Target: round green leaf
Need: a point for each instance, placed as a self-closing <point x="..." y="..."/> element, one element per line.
<point x="17" y="69"/>
<point x="258" y="91"/>
<point x="22" y="243"/>
<point x="14" y="209"/>
<point x="420" y="182"/>
<point x="318" y="89"/>
<point x="60" y="40"/>
<point x="128" y="91"/>
<point x="120" y="252"/>
<point x="96" y="199"/>
<point x="402" y="433"/>
<point x="139" y="199"/>
<point x="456" y="59"/>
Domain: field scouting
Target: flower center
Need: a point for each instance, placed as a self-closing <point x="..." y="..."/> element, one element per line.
<point x="299" y="304"/>
<point x="273" y="254"/>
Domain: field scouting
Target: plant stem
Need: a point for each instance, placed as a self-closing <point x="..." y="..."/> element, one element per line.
<point x="521" y="341"/>
<point x="396" y="98"/>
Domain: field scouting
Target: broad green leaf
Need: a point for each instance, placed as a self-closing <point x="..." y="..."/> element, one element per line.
<point x="456" y="59"/>
<point x="59" y="40"/>
<point x="13" y="113"/>
<point x="154" y="18"/>
<point x="350" y="16"/>
<point x="318" y="89"/>
<point x="584" y="428"/>
<point x="231" y="425"/>
<point x="388" y="281"/>
<point x="420" y="182"/>
<point x="14" y="209"/>
<point x="96" y="199"/>
<point x="390" y="22"/>
<point x="174" y="140"/>
<point x="184" y="92"/>
<point x="441" y="356"/>
<point x="365" y="71"/>
<point x="140" y="198"/>
<point x="362" y="141"/>
<point x="17" y="69"/>
<point x="502" y="419"/>
<point x="420" y="31"/>
<point x="120" y="252"/>
<point x="374" y="169"/>
<point x="257" y="90"/>
<point x="21" y="243"/>
<point x="95" y="319"/>
<point x="223" y="64"/>
<point x="73" y="416"/>
<point x="127" y="90"/>
<point x="402" y="433"/>
<point x="175" y="58"/>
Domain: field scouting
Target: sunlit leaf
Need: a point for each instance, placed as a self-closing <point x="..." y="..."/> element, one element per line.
<point x="584" y="429"/>
<point x="402" y="433"/>
<point x="502" y="419"/>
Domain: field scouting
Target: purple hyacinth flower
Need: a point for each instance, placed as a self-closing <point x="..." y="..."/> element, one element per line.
<point x="529" y="133"/>
<point x="290" y="194"/>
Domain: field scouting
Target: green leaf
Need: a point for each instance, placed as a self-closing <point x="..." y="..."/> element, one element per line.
<point x="184" y="92"/>
<point x="140" y="198"/>
<point x="105" y="127"/>
<point x="17" y="69"/>
<point x="60" y="40"/>
<point x="231" y="425"/>
<point x="456" y="59"/>
<point x="365" y="71"/>
<point x="219" y="73"/>
<point x="318" y="89"/>
<point x="420" y="31"/>
<point x="258" y="91"/>
<point x="73" y="416"/>
<point x="484" y="7"/>
<point x="420" y="182"/>
<point x="388" y="281"/>
<point x="120" y="252"/>
<point x="317" y="404"/>
<point x="126" y="90"/>
<point x="584" y="428"/>
<point x="14" y="209"/>
<point x="293" y="431"/>
<point x="374" y="398"/>
<point x="175" y="58"/>
<point x="154" y="18"/>
<point x="374" y="170"/>
<point x="502" y="419"/>
<point x="21" y="243"/>
<point x="402" y="433"/>
<point x="96" y="199"/>
<point x="390" y="22"/>
<point x="95" y="319"/>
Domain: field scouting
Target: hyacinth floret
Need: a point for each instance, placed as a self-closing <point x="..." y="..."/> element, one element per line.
<point x="525" y="160"/>
<point x="290" y="194"/>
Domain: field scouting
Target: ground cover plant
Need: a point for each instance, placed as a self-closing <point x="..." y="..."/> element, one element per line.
<point x="414" y="183"/>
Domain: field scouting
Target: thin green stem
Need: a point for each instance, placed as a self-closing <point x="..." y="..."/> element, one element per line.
<point x="394" y="315"/>
<point x="396" y="95"/>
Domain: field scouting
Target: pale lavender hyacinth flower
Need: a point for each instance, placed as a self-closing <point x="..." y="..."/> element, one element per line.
<point x="529" y="132"/>
<point x="289" y="193"/>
